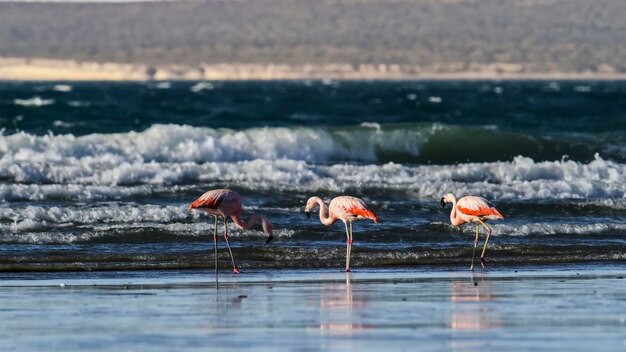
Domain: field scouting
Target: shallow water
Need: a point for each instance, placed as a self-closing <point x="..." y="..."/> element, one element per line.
<point x="98" y="176"/>
<point x="574" y="307"/>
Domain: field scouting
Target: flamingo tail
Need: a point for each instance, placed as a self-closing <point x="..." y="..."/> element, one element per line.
<point x="497" y="213"/>
<point x="365" y="213"/>
<point x="205" y="203"/>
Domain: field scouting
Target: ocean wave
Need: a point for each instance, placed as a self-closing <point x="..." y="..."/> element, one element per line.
<point x="34" y="217"/>
<point x="131" y="223"/>
<point x="555" y="228"/>
<point x="75" y="192"/>
<point x="367" y="143"/>
<point x="612" y="203"/>
<point x="297" y="159"/>
<point x="174" y="143"/>
<point x="38" y="232"/>
<point x="119" y="223"/>
<point x="520" y="179"/>
<point x="91" y="215"/>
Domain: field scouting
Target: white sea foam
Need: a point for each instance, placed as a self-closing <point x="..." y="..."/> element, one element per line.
<point x="435" y="100"/>
<point x="200" y="86"/>
<point x="62" y="88"/>
<point x="582" y="89"/>
<point x="33" y="102"/>
<point x="43" y="216"/>
<point x="77" y="104"/>
<point x="553" y="87"/>
<point x="163" y="85"/>
<point x="59" y="123"/>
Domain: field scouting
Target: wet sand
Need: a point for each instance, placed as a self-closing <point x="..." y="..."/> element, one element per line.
<point x="580" y="307"/>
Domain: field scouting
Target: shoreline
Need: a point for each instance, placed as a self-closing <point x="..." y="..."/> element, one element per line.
<point x="23" y="69"/>
<point x="205" y="277"/>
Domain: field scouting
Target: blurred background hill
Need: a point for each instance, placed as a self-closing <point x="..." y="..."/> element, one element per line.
<point x="431" y="35"/>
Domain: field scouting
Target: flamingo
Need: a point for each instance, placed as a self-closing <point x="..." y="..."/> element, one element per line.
<point x="226" y="202"/>
<point x="472" y="209"/>
<point x="345" y="208"/>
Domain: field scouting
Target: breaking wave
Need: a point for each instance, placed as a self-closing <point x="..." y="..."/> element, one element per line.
<point x="300" y="159"/>
<point x="368" y="143"/>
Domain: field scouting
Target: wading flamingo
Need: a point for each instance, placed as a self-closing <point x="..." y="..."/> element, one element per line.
<point x="344" y="208"/>
<point x="225" y="202"/>
<point x="472" y="209"/>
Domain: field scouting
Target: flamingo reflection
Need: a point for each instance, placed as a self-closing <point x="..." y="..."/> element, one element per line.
<point x="471" y="309"/>
<point x="339" y="308"/>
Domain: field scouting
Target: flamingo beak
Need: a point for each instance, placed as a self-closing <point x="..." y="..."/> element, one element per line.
<point x="308" y="214"/>
<point x="443" y="203"/>
<point x="269" y="239"/>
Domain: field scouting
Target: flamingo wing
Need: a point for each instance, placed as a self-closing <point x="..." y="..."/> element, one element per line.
<point x="478" y="206"/>
<point x="352" y="207"/>
<point x="214" y="198"/>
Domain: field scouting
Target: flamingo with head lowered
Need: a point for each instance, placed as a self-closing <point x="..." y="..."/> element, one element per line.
<point x="472" y="209"/>
<point x="345" y="208"/>
<point x="227" y="203"/>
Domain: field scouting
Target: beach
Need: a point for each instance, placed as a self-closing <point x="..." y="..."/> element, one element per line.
<point x="527" y="308"/>
<point x="42" y="69"/>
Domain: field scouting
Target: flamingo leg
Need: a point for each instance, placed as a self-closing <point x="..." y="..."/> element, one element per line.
<point x="347" y="248"/>
<point x="215" y="243"/>
<point x="235" y="270"/>
<point x="215" y="246"/>
<point x="474" y="252"/>
<point x="482" y="255"/>
<point x="350" y="241"/>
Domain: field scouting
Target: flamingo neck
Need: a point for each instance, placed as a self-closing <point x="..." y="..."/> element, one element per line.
<point x="325" y="218"/>
<point x="253" y="219"/>
<point x="454" y="216"/>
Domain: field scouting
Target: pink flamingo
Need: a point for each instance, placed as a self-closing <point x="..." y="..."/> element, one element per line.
<point x="472" y="209"/>
<point x="225" y="202"/>
<point x="344" y="208"/>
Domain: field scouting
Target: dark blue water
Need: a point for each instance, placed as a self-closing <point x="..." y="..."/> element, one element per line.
<point x="541" y="120"/>
<point x="99" y="175"/>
